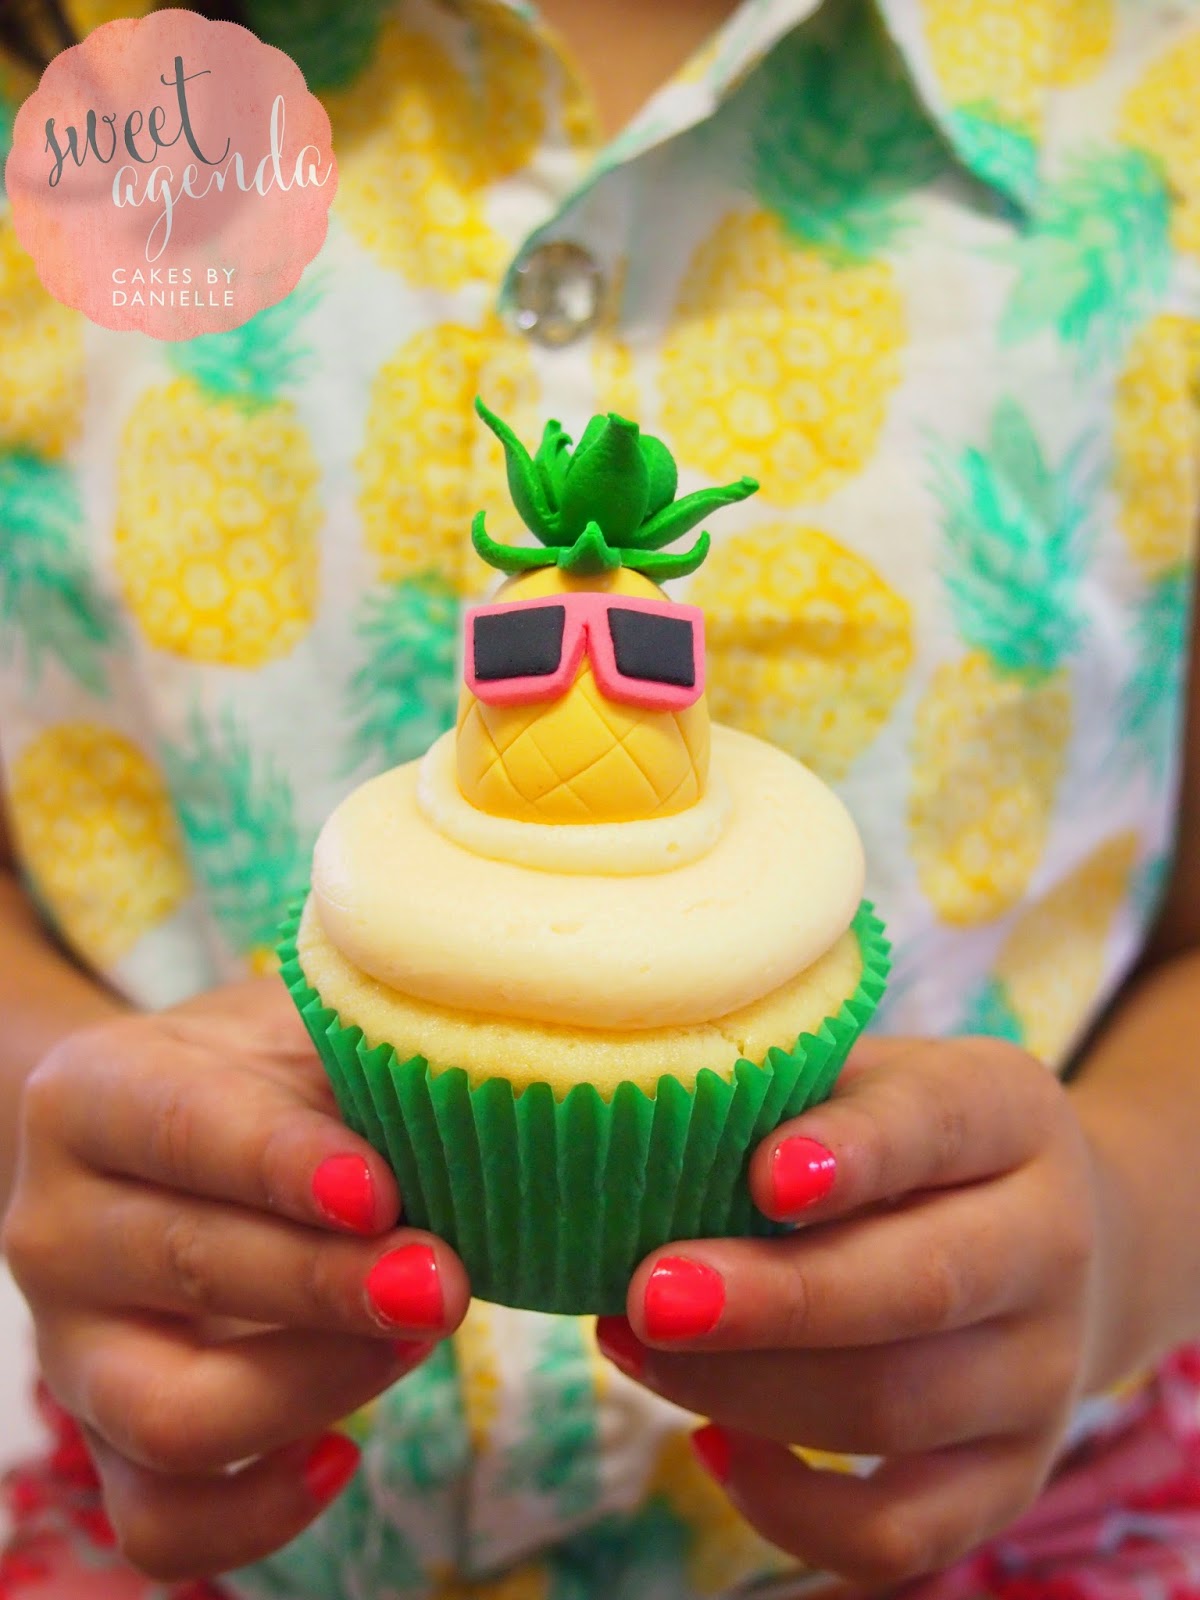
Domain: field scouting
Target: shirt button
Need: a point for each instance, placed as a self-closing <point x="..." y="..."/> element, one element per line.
<point x="557" y="292"/>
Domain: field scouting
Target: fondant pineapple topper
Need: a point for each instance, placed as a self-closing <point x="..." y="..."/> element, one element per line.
<point x="610" y="503"/>
<point x="584" y="684"/>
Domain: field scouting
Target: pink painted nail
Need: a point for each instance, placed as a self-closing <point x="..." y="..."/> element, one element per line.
<point x="330" y="1467"/>
<point x="345" y="1192"/>
<point x="802" y="1172"/>
<point x="684" y="1299"/>
<point x="711" y="1445"/>
<point x="620" y="1345"/>
<point x="404" y="1289"/>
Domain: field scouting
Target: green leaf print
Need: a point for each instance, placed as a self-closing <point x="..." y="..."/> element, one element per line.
<point x="1098" y="257"/>
<point x="643" y="1554"/>
<point x="47" y="595"/>
<point x="990" y="1012"/>
<point x="251" y="365"/>
<point x="1148" y="887"/>
<point x="1150" y="704"/>
<point x="421" y="1430"/>
<point x="1017" y="537"/>
<point x="997" y="149"/>
<point x="331" y="44"/>
<point x="238" y="820"/>
<point x="403" y="694"/>
<point x="840" y="138"/>
<point x="559" y="1454"/>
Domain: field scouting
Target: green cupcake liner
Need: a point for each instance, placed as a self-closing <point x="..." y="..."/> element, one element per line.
<point x="552" y="1203"/>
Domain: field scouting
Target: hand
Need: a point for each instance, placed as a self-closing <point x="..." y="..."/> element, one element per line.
<point x="938" y="1308"/>
<point x="187" y="1168"/>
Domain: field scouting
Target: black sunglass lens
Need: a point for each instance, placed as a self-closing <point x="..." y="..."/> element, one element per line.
<point x="519" y="643"/>
<point x="653" y="648"/>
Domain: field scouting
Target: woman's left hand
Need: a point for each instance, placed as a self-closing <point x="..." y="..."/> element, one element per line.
<point x="941" y="1307"/>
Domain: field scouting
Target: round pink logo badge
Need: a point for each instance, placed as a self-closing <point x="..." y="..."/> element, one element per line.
<point x="171" y="175"/>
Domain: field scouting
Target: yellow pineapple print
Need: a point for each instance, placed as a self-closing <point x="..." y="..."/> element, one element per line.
<point x="1158" y="443"/>
<point x="419" y="144"/>
<point x="96" y="829"/>
<point x="988" y="756"/>
<point x="992" y="728"/>
<point x="1052" y="964"/>
<point x="528" y="1582"/>
<point x="612" y="359"/>
<point x="1162" y="117"/>
<point x="1006" y="56"/>
<point x="807" y="645"/>
<point x="581" y="758"/>
<point x="799" y="357"/>
<point x="217" y="503"/>
<point x="425" y="467"/>
<point x="478" y="1375"/>
<point x="41" y="357"/>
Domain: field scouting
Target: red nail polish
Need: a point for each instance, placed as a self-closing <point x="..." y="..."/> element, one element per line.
<point x="684" y="1299"/>
<point x="330" y="1467"/>
<point x="404" y="1289"/>
<point x="345" y="1193"/>
<point x="620" y="1345"/>
<point x="802" y="1172"/>
<point x="711" y="1445"/>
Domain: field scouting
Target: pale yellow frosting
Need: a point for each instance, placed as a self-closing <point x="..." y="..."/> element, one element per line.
<point x="619" y="849"/>
<point x="526" y="1052"/>
<point x="413" y="909"/>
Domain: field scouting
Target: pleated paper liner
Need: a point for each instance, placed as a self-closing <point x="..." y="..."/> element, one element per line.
<point x="552" y="1203"/>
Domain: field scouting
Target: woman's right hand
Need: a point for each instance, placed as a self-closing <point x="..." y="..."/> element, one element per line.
<point x="215" y="1273"/>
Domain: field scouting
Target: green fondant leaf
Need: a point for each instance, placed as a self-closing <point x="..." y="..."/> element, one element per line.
<point x="607" y="483"/>
<point x="662" y="471"/>
<point x="672" y="564"/>
<point x="590" y="555"/>
<point x="524" y="481"/>
<point x="506" y="557"/>
<point x="552" y="460"/>
<point x="681" y="516"/>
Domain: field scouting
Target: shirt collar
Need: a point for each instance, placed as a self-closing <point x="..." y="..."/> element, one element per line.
<point x="993" y="126"/>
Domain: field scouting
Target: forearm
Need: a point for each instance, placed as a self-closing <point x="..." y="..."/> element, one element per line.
<point x="42" y="999"/>
<point x="1138" y="1096"/>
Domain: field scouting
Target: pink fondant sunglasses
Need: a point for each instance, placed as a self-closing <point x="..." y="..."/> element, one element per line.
<point x="644" y="652"/>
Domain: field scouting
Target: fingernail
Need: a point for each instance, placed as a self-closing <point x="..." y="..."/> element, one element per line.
<point x="345" y="1192"/>
<point x="802" y="1172"/>
<point x="404" y="1289"/>
<point x="410" y="1353"/>
<point x="684" y="1299"/>
<point x="330" y="1467"/>
<point x="619" y="1344"/>
<point x="711" y="1445"/>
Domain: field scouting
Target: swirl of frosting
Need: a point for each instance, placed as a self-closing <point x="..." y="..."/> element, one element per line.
<point x="418" y="911"/>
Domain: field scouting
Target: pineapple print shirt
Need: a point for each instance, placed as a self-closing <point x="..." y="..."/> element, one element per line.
<point x="930" y="270"/>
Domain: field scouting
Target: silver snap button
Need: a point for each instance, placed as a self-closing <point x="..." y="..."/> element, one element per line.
<point x="557" y="291"/>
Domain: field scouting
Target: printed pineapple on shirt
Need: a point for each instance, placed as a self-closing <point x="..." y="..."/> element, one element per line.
<point x="424" y="469"/>
<point x="991" y="733"/>
<point x="218" y="501"/>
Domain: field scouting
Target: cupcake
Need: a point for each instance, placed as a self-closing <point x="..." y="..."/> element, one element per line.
<point x="569" y="968"/>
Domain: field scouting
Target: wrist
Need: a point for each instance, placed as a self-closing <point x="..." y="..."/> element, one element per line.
<point x="1126" y="1320"/>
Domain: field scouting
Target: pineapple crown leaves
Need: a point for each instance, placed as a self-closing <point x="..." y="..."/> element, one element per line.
<point x="1099" y="254"/>
<point x="839" y="139"/>
<point x="251" y="365"/>
<point x="609" y="503"/>
<point x="1150" y="703"/>
<point x="403" y="695"/>
<point x="47" y="595"/>
<point x="238" y="821"/>
<point x="1016" y="538"/>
